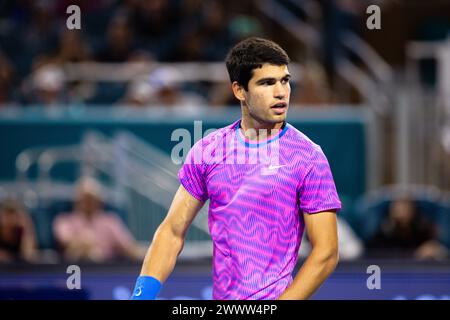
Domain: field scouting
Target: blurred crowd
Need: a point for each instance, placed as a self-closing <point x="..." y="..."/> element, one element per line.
<point x="88" y="233"/>
<point x="35" y="46"/>
<point x="91" y="234"/>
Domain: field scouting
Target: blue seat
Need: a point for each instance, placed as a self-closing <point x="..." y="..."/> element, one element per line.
<point x="108" y="93"/>
<point x="370" y="212"/>
<point x="444" y="223"/>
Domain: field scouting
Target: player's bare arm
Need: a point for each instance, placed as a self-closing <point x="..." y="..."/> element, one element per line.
<point x="168" y="240"/>
<point x="167" y="244"/>
<point x="321" y="262"/>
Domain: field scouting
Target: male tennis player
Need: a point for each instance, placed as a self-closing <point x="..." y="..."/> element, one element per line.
<point x="266" y="181"/>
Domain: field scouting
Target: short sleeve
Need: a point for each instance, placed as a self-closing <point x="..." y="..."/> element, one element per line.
<point x="317" y="191"/>
<point x="191" y="174"/>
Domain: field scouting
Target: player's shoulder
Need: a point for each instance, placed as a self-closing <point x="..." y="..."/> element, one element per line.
<point x="299" y="140"/>
<point x="218" y="135"/>
<point x="303" y="149"/>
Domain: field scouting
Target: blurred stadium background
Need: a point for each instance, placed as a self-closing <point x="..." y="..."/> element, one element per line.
<point x="106" y="100"/>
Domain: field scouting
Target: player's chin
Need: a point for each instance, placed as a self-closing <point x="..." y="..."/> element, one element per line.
<point x="276" y="117"/>
<point x="274" y="121"/>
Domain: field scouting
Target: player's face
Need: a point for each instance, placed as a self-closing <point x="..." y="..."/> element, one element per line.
<point x="267" y="98"/>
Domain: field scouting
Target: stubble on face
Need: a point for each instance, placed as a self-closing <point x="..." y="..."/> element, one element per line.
<point x="268" y="86"/>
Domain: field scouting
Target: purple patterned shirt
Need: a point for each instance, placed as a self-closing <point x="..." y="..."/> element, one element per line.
<point x="258" y="193"/>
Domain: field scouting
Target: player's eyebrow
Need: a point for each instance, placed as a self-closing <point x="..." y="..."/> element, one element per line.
<point x="263" y="80"/>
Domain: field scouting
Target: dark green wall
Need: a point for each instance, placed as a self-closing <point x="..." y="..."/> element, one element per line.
<point x="341" y="134"/>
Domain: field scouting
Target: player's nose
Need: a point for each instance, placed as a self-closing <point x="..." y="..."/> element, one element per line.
<point x="280" y="91"/>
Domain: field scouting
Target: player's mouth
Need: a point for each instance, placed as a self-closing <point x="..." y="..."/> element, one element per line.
<point x="280" y="107"/>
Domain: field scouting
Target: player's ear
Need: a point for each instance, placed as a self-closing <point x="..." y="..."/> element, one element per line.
<point x="238" y="91"/>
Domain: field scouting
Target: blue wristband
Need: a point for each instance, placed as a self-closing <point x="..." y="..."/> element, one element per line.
<point x="147" y="288"/>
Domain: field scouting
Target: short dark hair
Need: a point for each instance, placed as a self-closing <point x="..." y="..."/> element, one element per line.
<point x="250" y="54"/>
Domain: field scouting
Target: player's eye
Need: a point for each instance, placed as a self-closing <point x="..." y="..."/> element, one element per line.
<point x="285" y="80"/>
<point x="267" y="83"/>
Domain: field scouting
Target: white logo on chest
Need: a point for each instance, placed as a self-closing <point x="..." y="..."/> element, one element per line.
<point x="271" y="169"/>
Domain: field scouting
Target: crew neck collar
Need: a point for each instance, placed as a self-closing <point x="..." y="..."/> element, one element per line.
<point x="252" y="144"/>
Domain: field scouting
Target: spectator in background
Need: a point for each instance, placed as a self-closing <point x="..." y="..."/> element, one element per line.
<point x="350" y="245"/>
<point x="87" y="7"/>
<point x="155" y="25"/>
<point x="91" y="234"/>
<point x="162" y="88"/>
<point x="17" y="234"/>
<point x="312" y="88"/>
<point x="72" y="47"/>
<point x="119" y="43"/>
<point x="188" y="11"/>
<point x="30" y="31"/>
<point x="405" y="232"/>
<point x="139" y="94"/>
<point x="214" y="31"/>
<point x="48" y="86"/>
<point x="205" y="36"/>
<point x="6" y="81"/>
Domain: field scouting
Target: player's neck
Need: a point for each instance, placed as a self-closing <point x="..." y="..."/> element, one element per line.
<point x="257" y="130"/>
